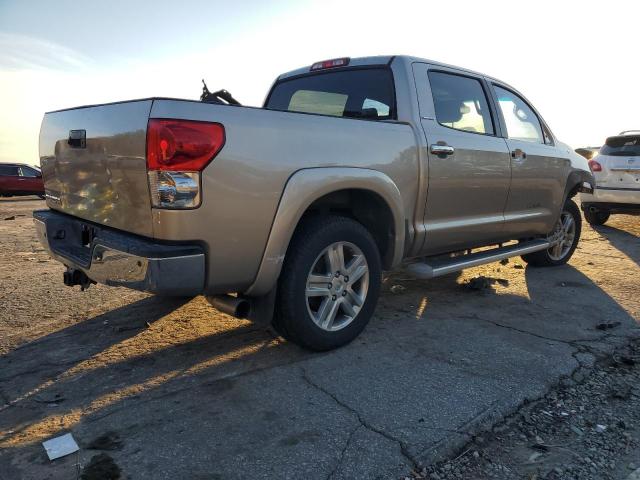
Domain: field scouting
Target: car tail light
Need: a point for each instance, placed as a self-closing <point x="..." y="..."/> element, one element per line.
<point x="336" y="62"/>
<point x="182" y="145"/>
<point x="177" y="151"/>
<point x="595" y="166"/>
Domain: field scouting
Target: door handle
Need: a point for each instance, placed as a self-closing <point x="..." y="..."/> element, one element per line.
<point x="518" y="154"/>
<point x="444" y="150"/>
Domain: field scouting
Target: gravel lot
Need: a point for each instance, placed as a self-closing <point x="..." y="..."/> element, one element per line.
<point x="157" y="388"/>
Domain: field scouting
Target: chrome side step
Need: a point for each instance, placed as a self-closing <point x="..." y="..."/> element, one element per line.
<point x="440" y="267"/>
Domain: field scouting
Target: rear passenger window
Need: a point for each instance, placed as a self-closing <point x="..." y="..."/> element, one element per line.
<point x="460" y="103"/>
<point x="521" y="121"/>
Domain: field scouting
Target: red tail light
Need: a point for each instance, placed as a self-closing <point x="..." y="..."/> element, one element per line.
<point x="182" y="145"/>
<point x="595" y="166"/>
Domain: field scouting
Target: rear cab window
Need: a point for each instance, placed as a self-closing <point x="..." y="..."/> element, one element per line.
<point x="365" y="93"/>
<point x="622" y="146"/>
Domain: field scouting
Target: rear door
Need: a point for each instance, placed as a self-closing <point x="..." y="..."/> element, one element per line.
<point x="469" y="166"/>
<point x="539" y="168"/>
<point x="9" y="179"/>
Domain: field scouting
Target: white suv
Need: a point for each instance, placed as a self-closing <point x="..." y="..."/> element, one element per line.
<point x="616" y="169"/>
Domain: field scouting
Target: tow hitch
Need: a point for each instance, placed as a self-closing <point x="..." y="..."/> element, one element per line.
<point x="73" y="277"/>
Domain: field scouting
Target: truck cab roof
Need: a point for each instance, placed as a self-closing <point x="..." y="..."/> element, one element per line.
<point x="381" y="60"/>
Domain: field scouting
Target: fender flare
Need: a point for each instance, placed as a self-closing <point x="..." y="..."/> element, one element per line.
<point x="302" y="189"/>
<point x="579" y="178"/>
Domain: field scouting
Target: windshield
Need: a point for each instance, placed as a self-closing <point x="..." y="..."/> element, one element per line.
<point x="622" y="146"/>
<point x="362" y="93"/>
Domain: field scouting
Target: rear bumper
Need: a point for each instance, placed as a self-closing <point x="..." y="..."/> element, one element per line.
<point x="617" y="198"/>
<point x="116" y="258"/>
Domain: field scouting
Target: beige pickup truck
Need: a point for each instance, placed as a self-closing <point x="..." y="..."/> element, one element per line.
<point x="289" y="213"/>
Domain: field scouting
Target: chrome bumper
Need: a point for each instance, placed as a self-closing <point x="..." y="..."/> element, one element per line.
<point x="120" y="259"/>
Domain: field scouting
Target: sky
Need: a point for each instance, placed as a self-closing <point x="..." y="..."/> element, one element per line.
<point x="574" y="60"/>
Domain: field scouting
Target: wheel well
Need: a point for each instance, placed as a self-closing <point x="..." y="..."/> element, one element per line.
<point x="367" y="208"/>
<point x="575" y="183"/>
<point x="574" y="191"/>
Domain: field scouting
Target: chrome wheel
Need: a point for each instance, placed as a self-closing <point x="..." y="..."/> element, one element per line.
<point x="563" y="236"/>
<point x="337" y="286"/>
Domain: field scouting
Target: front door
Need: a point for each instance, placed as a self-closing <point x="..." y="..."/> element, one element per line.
<point x="469" y="164"/>
<point x="539" y="168"/>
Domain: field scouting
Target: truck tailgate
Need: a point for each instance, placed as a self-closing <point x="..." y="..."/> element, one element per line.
<point x="102" y="179"/>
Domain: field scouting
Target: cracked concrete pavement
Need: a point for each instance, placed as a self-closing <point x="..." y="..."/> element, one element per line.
<point x="192" y="393"/>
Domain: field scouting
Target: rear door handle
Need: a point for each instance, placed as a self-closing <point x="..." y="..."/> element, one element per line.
<point x="443" y="150"/>
<point x="518" y="154"/>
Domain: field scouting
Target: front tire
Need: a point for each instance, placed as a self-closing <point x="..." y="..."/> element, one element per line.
<point x="566" y="235"/>
<point x="598" y="217"/>
<point x="329" y="285"/>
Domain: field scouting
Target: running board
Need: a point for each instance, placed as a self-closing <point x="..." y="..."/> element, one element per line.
<point x="440" y="267"/>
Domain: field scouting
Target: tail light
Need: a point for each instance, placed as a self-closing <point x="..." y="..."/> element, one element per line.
<point x="177" y="151"/>
<point x="595" y="166"/>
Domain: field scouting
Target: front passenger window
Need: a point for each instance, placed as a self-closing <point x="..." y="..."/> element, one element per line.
<point x="460" y="103"/>
<point x="521" y="121"/>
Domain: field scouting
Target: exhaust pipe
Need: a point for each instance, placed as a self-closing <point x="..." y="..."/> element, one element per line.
<point x="234" y="306"/>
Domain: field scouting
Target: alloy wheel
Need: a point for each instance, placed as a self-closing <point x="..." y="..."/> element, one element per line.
<point x="337" y="286"/>
<point x="563" y="236"/>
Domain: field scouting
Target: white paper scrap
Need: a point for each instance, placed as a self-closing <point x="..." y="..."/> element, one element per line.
<point x="60" y="446"/>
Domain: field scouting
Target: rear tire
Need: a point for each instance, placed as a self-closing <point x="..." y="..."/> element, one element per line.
<point x="329" y="285"/>
<point x="599" y="217"/>
<point x="567" y="231"/>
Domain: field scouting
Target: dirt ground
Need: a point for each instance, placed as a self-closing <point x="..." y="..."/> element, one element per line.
<point x="165" y="388"/>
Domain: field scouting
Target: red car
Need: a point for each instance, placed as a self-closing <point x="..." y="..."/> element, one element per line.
<point x="20" y="179"/>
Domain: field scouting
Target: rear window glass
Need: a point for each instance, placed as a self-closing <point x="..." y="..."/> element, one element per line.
<point x="366" y="93"/>
<point x="622" y="146"/>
